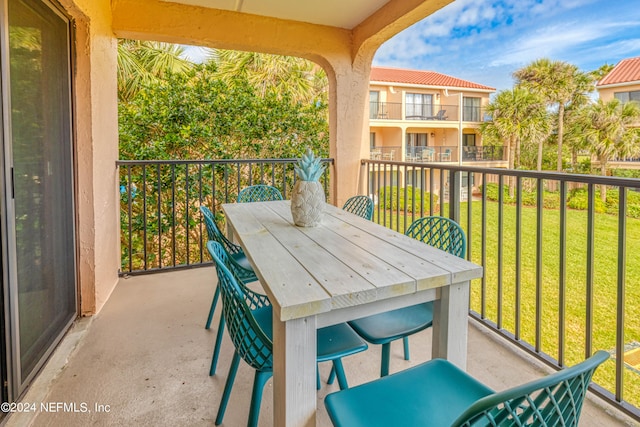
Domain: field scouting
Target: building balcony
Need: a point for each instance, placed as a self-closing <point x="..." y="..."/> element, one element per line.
<point x="432" y="113"/>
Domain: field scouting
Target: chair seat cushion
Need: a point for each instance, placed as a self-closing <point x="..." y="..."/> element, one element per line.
<point x="391" y="325"/>
<point x="242" y="260"/>
<point x="432" y="394"/>
<point x="332" y="342"/>
<point x="338" y="341"/>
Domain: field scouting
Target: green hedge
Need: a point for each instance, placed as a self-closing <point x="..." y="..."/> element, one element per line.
<point x="576" y="199"/>
<point x="388" y="197"/>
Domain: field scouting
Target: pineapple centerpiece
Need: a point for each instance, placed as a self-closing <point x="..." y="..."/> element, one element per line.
<point x="307" y="196"/>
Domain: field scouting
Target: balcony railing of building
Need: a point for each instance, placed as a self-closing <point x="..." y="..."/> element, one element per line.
<point x="561" y="270"/>
<point x="160" y="223"/>
<point x="449" y="153"/>
<point x="561" y="277"/>
<point x="385" y="111"/>
<point x="425" y="112"/>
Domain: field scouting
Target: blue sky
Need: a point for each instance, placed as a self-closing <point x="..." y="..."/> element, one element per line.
<point x="485" y="41"/>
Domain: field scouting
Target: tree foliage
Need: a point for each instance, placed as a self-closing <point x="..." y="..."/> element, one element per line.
<point x="518" y="117"/>
<point x="141" y="63"/>
<point x="196" y="115"/>
<point x="607" y="129"/>
<point x="561" y="85"/>
<point x="302" y="80"/>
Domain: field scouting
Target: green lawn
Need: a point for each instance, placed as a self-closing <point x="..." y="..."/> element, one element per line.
<point x="605" y="282"/>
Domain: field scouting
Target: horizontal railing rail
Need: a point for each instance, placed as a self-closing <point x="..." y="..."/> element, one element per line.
<point x="561" y="266"/>
<point x="161" y="227"/>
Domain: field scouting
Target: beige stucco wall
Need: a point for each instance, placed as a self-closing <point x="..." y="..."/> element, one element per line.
<point x="607" y="94"/>
<point x="96" y="124"/>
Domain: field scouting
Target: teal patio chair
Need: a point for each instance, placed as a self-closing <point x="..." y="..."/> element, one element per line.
<point x="238" y="263"/>
<point x="360" y="205"/>
<point x="384" y="328"/>
<point x="249" y="318"/>
<point x="259" y="193"/>
<point x="438" y="394"/>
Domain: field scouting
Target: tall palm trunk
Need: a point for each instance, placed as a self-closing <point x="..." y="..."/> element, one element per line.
<point x="512" y="159"/>
<point x="603" y="172"/>
<point x="560" y="134"/>
<point x="540" y="153"/>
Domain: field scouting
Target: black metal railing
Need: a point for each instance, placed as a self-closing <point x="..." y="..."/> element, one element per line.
<point x="561" y="267"/>
<point x="389" y="152"/>
<point x="385" y="110"/>
<point x="438" y="153"/>
<point x="484" y="153"/>
<point x="425" y="112"/>
<point x="160" y="223"/>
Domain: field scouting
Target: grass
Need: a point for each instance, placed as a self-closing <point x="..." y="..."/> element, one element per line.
<point x="605" y="282"/>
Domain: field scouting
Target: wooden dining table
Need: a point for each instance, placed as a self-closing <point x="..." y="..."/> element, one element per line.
<point x="343" y="269"/>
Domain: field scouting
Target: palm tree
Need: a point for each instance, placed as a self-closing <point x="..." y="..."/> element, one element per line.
<point x="560" y="84"/>
<point x="517" y="116"/>
<point x="141" y="62"/>
<point x="608" y="131"/>
<point x="305" y="81"/>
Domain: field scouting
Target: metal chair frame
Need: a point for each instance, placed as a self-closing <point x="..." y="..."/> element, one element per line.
<point x="438" y="393"/>
<point x="384" y="328"/>
<point x="259" y="193"/>
<point x="360" y="205"/>
<point x="249" y="321"/>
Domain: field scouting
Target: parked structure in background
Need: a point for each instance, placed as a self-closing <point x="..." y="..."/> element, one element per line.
<point x="424" y="116"/>
<point x="622" y="83"/>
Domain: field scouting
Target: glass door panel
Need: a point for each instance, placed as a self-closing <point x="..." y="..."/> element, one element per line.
<point x="40" y="152"/>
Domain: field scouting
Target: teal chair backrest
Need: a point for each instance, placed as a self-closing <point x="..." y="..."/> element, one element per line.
<point x="259" y="193"/>
<point x="555" y="400"/>
<point x="214" y="232"/>
<point x="238" y="302"/>
<point x="439" y="232"/>
<point x="360" y="205"/>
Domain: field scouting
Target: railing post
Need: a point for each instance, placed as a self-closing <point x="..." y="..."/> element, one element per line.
<point x="454" y="195"/>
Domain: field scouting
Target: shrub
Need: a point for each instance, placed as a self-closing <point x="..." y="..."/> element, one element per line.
<point x="578" y="199"/>
<point x="550" y="200"/>
<point x="389" y="199"/>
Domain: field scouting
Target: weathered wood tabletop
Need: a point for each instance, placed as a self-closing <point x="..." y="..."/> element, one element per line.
<point x="344" y="269"/>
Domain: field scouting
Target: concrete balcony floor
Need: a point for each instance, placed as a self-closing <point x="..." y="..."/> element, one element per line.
<point x="144" y="361"/>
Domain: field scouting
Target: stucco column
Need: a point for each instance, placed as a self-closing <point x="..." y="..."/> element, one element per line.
<point x="96" y="151"/>
<point x="349" y="126"/>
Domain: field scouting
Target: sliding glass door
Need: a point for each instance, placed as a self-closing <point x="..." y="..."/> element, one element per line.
<point x="40" y="280"/>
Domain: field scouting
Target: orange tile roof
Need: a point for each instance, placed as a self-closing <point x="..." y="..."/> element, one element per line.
<point x="419" y="77"/>
<point x="625" y="71"/>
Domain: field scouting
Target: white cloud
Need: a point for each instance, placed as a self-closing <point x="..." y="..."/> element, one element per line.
<point x="546" y="42"/>
<point x="486" y="40"/>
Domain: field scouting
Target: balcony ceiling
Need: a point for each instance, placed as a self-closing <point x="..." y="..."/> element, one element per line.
<point x="334" y="13"/>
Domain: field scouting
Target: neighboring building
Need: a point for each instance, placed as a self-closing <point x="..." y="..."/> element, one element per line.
<point x="424" y="116"/>
<point x="419" y="115"/>
<point x="623" y="82"/>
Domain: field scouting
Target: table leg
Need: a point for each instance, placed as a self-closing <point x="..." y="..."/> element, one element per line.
<point x="294" y="372"/>
<point x="450" y="323"/>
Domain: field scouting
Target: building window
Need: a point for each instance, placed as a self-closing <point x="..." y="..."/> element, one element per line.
<point x="418" y="106"/>
<point x="469" y="139"/>
<point x="628" y="96"/>
<point x="417" y="139"/>
<point x="375" y="106"/>
<point x="470" y="109"/>
<point x="372" y="140"/>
